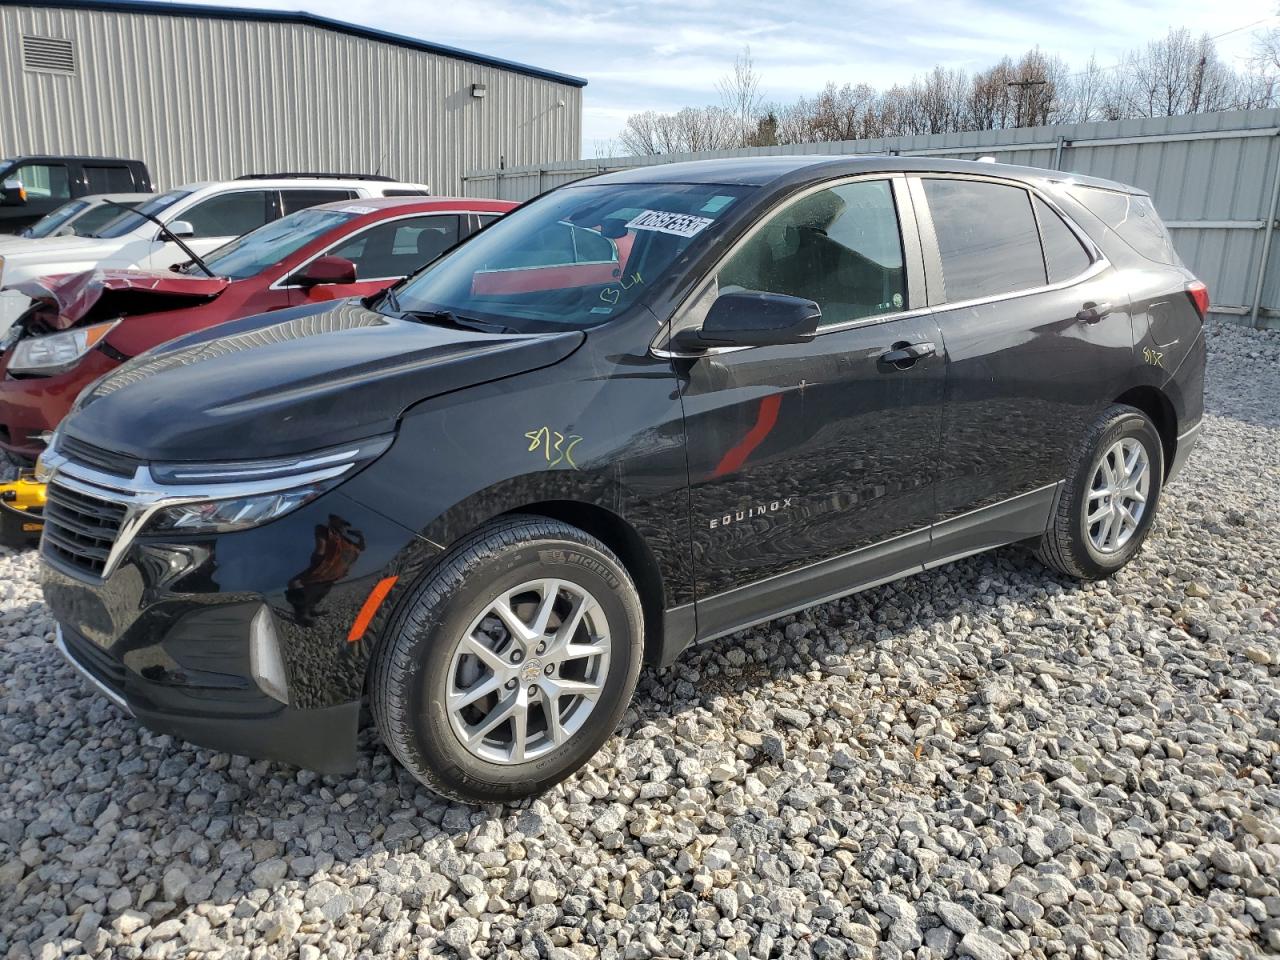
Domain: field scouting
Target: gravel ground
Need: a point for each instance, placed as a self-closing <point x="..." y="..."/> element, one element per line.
<point x="985" y="761"/>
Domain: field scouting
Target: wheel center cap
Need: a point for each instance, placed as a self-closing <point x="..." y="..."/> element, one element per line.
<point x="531" y="671"/>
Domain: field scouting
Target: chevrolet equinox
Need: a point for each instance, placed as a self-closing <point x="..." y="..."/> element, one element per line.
<point x="640" y="412"/>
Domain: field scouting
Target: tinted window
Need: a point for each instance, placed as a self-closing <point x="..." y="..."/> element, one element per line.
<point x="230" y="214"/>
<point x="108" y="179"/>
<point x="405" y="193"/>
<point x="127" y="222"/>
<point x="294" y="200"/>
<point x="1064" y="255"/>
<point x="43" y="181"/>
<point x="840" y="247"/>
<point x="98" y="217"/>
<point x="399" y="247"/>
<point x="1132" y="216"/>
<point x="987" y="237"/>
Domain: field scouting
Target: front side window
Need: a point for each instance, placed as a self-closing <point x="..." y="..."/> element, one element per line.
<point x="573" y="258"/>
<point x="230" y="214"/>
<point x="249" y="255"/>
<point x="127" y="222"/>
<point x="840" y="247"/>
<point x="47" y="225"/>
<point x="43" y="181"/>
<point x="399" y="247"/>
<point x="987" y="238"/>
<point x="1064" y="256"/>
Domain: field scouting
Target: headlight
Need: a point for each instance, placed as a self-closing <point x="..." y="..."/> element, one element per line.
<point x="235" y="495"/>
<point x="57" y="351"/>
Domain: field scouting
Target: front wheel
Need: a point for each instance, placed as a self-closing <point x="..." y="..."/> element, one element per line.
<point x="511" y="663"/>
<point x="1109" y="500"/>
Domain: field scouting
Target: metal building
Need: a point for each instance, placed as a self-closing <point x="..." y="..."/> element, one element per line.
<point x="215" y="92"/>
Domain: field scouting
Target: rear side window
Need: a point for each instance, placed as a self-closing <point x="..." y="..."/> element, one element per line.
<point x="987" y="238"/>
<point x="405" y="193"/>
<point x="104" y="179"/>
<point x="294" y="200"/>
<point x="230" y="214"/>
<point x="1133" y="217"/>
<point x="839" y="247"/>
<point x="1064" y="255"/>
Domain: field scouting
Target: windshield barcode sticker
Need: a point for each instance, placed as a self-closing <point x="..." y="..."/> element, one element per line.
<point x="357" y="208"/>
<point x="676" y="224"/>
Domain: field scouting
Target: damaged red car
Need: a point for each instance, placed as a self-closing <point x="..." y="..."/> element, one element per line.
<point x="82" y="325"/>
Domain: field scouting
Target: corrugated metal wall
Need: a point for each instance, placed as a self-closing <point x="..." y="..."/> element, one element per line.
<point x="201" y="98"/>
<point x="1212" y="177"/>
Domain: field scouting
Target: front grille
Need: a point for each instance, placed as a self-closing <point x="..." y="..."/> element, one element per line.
<point x="108" y="461"/>
<point x="79" y="529"/>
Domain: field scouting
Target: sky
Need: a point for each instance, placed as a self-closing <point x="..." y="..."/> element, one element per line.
<point x="667" y="54"/>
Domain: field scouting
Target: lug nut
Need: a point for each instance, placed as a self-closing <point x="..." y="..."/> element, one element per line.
<point x="533" y="690"/>
<point x="511" y="684"/>
<point x="551" y="668"/>
<point x="516" y="656"/>
<point x="542" y="648"/>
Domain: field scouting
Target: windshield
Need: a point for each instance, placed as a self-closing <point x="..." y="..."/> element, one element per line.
<point x="128" y="222"/>
<point x="249" y="255"/>
<point x="572" y="259"/>
<point x="46" y="225"/>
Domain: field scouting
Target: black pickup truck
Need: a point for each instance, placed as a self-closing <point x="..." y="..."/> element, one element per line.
<point x="32" y="186"/>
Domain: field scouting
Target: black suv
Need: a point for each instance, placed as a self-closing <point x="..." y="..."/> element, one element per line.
<point x="33" y="186"/>
<point x="642" y="411"/>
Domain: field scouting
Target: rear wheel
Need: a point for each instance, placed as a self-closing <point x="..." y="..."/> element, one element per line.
<point x="1110" y="497"/>
<point x="511" y="663"/>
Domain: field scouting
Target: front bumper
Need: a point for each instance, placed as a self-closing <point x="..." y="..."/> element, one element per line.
<point x="239" y="722"/>
<point x="166" y="636"/>
<point x="32" y="406"/>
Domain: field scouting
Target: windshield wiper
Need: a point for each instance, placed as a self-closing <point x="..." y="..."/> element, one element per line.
<point x="447" y="318"/>
<point x="195" y="257"/>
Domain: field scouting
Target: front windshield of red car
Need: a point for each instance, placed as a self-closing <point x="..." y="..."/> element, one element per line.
<point x="271" y="243"/>
<point x="574" y="258"/>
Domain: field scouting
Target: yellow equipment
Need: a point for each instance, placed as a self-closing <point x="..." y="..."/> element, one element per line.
<point x="21" y="512"/>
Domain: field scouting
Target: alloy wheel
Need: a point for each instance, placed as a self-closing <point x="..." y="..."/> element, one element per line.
<point x="528" y="672"/>
<point x="1118" y="495"/>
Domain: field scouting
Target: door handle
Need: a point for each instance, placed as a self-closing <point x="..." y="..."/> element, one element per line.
<point x="903" y="355"/>
<point x="1093" y="312"/>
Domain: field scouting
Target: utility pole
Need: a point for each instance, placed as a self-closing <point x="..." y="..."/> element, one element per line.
<point x="1023" y="86"/>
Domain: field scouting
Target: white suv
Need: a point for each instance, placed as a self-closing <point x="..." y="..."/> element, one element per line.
<point x="205" y="215"/>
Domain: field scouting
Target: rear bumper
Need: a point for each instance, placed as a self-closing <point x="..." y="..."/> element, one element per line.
<point x="233" y="720"/>
<point x="1186" y="443"/>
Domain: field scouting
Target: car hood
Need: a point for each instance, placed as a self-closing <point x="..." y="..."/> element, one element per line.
<point x="77" y="299"/>
<point x="25" y="248"/>
<point x="293" y="381"/>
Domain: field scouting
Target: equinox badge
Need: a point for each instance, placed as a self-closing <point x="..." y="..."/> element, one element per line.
<point x="756" y="511"/>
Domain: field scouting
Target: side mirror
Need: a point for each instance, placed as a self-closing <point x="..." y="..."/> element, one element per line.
<point x="13" y="194"/>
<point x="751" y="318"/>
<point x="181" y="228"/>
<point x="326" y="269"/>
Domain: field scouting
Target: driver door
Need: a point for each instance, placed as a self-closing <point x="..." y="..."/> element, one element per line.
<point x="812" y="465"/>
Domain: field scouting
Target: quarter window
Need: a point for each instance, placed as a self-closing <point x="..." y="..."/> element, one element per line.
<point x="399" y="247"/>
<point x="987" y="238"/>
<point x="840" y="247"/>
<point x="1064" y="256"/>
<point x="230" y="214"/>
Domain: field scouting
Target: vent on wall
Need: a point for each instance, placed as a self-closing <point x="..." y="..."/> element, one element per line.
<point x="48" y="54"/>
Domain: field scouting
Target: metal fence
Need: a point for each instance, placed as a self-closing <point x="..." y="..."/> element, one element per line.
<point x="1215" y="178"/>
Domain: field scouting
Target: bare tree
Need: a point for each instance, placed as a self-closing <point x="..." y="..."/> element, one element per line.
<point x="740" y="95"/>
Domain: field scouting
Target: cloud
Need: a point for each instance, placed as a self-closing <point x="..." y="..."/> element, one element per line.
<point x="665" y="54"/>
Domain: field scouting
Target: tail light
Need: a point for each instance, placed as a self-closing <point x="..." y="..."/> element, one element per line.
<point x="1199" y="295"/>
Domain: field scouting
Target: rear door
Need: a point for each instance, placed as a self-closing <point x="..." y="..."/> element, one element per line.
<point x="1035" y="351"/>
<point x="812" y="465"/>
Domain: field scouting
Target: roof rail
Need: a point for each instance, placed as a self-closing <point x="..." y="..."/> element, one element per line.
<point x="316" y="176"/>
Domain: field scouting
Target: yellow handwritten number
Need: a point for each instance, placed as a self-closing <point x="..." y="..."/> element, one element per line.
<point x="553" y="441"/>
